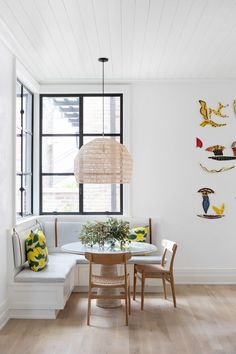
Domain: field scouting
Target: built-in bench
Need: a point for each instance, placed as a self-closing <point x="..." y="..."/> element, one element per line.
<point x="42" y="294"/>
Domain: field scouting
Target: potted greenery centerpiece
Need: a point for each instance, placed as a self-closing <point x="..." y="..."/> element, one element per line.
<point x="111" y="232"/>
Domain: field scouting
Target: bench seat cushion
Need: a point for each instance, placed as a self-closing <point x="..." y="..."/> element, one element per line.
<point x="149" y="259"/>
<point x="57" y="270"/>
<point x="80" y="259"/>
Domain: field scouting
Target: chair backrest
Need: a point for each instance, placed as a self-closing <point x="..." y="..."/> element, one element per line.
<point x="169" y="246"/>
<point x="108" y="258"/>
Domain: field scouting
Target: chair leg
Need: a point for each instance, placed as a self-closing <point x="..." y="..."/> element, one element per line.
<point x="134" y="283"/>
<point x="89" y="310"/>
<point x="129" y="300"/>
<point x="164" y="286"/>
<point x="172" y="284"/>
<point x="126" y="307"/>
<point x="142" y="291"/>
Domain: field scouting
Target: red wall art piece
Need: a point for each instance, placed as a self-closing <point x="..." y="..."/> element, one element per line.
<point x="199" y="143"/>
<point x="233" y="147"/>
<point x="219" y="212"/>
<point x="234" y="105"/>
<point x="218" y="153"/>
<point x="206" y="114"/>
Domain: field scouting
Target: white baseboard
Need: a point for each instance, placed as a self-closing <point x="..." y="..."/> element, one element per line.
<point x="4" y="314"/>
<point x="148" y="289"/>
<point x="196" y="276"/>
<point x="33" y="314"/>
<point x="205" y="276"/>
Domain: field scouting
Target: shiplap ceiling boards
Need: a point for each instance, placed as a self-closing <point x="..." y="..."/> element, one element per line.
<point x="60" y="40"/>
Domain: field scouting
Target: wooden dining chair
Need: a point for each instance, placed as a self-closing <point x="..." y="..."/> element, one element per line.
<point x="143" y="272"/>
<point x="109" y="282"/>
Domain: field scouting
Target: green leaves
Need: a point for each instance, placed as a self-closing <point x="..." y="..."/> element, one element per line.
<point x="132" y="236"/>
<point x="110" y="231"/>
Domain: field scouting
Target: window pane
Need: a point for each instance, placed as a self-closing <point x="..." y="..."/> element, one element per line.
<point x="27" y="153"/>
<point x="87" y="139"/>
<point x="59" y="154"/>
<point x="18" y="194"/>
<point x="18" y="152"/>
<point x="27" y="108"/>
<point x="93" y="116"/>
<point x="101" y="198"/>
<point x="18" y="104"/>
<point x="27" y="185"/>
<point x="60" y="194"/>
<point x="60" y="115"/>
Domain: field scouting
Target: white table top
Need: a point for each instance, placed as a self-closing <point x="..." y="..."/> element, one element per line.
<point x="136" y="248"/>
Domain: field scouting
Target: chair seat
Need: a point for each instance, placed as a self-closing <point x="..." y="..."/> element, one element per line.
<point x="148" y="259"/>
<point x="117" y="281"/>
<point x="151" y="268"/>
<point x="143" y="271"/>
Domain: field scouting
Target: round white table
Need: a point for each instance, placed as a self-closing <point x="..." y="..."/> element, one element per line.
<point x="135" y="248"/>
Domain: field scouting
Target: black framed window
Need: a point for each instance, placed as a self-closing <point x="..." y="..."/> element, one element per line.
<point x="24" y="150"/>
<point x="66" y="123"/>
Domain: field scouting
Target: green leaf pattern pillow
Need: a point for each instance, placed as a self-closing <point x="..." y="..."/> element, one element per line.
<point x="139" y="234"/>
<point x="36" y="250"/>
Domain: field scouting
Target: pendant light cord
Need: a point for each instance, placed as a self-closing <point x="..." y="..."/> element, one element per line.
<point x="103" y="61"/>
<point x="103" y="99"/>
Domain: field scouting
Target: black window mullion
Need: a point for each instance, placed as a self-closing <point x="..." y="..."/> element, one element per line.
<point x="32" y="152"/>
<point x="21" y="147"/>
<point x="121" y="119"/>
<point x="57" y="174"/>
<point x="24" y="173"/>
<point x="40" y="153"/>
<point x="81" y="142"/>
<point x="121" y="141"/>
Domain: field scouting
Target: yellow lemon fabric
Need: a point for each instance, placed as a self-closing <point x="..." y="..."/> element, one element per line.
<point x="139" y="234"/>
<point x="36" y="250"/>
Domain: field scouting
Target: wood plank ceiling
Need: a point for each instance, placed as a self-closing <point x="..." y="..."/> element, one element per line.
<point x="60" y="40"/>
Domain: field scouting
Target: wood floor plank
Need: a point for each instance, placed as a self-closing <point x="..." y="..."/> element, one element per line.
<point x="204" y="322"/>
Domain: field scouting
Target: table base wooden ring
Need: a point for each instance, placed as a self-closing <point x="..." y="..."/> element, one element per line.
<point x="110" y="271"/>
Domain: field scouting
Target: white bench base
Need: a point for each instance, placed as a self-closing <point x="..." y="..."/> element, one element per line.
<point x="34" y="314"/>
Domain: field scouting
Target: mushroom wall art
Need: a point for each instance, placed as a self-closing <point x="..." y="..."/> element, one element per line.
<point x="219" y="212"/>
<point x="217" y="152"/>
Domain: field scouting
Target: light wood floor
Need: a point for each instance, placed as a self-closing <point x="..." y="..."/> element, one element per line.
<point x="203" y="323"/>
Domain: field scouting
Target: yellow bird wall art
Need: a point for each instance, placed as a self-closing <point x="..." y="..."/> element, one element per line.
<point x="206" y="114"/>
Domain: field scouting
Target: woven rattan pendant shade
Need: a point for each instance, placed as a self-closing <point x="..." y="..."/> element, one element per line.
<point x="103" y="161"/>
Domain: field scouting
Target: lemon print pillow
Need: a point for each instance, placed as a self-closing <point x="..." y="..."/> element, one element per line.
<point x="139" y="234"/>
<point x="36" y="250"/>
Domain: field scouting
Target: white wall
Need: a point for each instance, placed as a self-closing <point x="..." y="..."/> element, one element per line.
<point x="167" y="175"/>
<point x="7" y="99"/>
